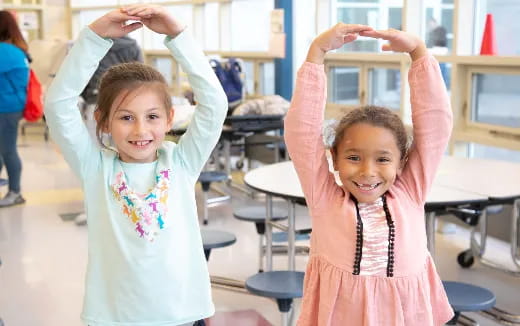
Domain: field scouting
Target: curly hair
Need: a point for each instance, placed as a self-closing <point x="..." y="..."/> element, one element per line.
<point x="375" y="116"/>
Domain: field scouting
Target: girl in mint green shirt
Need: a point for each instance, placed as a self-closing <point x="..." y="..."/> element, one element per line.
<point x="145" y="264"/>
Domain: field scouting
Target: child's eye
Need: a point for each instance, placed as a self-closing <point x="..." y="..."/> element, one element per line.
<point x="153" y="116"/>
<point x="353" y="158"/>
<point x="126" y="117"/>
<point x="383" y="160"/>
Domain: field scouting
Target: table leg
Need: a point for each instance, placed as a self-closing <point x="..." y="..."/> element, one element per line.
<point x="268" y="233"/>
<point x="227" y="158"/>
<point x="430" y="232"/>
<point x="515" y="254"/>
<point x="291" y="235"/>
<point x="478" y="248"/>
<point x="277" y="146"/>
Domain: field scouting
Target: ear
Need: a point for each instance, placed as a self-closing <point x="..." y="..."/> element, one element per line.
<point x="97" y="116"/>
<point x="171" y="114"/>
<point x="334" y="158"/>
<point x="401" y="166"/>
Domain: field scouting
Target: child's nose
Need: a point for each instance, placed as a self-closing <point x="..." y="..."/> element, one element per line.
<point x="139" y="127"/>
<point x="367" y="169"/>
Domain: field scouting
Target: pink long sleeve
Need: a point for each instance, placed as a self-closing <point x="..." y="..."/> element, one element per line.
<point x="432" y="124"/>
<point x="303" y="135"/>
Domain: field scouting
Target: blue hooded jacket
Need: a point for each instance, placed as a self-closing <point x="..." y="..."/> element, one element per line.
<point x="14" y="77"/>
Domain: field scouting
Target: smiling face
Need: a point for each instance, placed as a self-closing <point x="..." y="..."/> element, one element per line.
<point x="368" y="161"/>
<point x="138" y="123"/>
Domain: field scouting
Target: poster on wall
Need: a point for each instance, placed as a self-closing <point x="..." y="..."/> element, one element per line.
<point x="28" y="20"/>
<point x="277" y="35"/>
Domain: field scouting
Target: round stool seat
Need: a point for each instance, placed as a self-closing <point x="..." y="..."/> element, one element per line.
<point x="256" y="214"/>
<point x="468" y="297"/>
<point x="276" y="284"/>
<point x="212" y="239"/>
<point x="212" y="176"/>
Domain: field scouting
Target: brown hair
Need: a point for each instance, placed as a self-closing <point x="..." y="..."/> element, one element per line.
<point x="127" y="79"/>
<point x="9" y="31"/>
<point x="375" y="116"/>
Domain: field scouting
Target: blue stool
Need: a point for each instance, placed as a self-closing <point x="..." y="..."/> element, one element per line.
<point x="205" y="179"/>
<point x="467" y="297"/>
<point x="212" y="239"/>
<point x="283" y="286"/>
<point x="256" y="214"/>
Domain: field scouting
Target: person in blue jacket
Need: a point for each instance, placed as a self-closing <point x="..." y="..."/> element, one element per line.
<point x="14" y="76"/>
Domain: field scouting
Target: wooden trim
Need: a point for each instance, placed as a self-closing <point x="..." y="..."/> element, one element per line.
<point x="261" y="56"/>
<point x="88" y="8"/>
<point x="483" y="60"/>
<point x="366" y="57"/>
<point x="244" y="55"/>
<point x="21" y="7"/>
<point x="165" y="3"/>
<point x="487" y="138"/>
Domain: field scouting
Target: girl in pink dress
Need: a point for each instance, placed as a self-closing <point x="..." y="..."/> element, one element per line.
<point x="369" y="264"/>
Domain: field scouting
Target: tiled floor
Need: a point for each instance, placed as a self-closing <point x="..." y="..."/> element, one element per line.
<point x="44" y="257"/>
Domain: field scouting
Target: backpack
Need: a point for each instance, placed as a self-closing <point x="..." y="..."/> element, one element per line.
<point x="33" y="110"/>
<point x="230" y="79"/>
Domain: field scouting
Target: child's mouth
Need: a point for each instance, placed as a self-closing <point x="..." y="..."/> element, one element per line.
<point x="140" y="143"/>
<point x="367" y="186"/>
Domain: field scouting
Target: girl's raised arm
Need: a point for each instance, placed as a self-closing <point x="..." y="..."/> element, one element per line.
<point x="203" y="133"/>
<point x="61" y="101"/>
<point x="304" y="120"/>
<point x="431" y="112"/>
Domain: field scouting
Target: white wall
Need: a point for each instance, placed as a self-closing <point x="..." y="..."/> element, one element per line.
<point x="304" y="30"/>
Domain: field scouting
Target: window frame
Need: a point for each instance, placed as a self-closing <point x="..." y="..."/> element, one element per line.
<point x="470" y="71"/>
<point x="365" y="62"/>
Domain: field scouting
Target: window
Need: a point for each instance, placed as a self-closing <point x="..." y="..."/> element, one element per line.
<point x="165" y="67"/>
<point x="154" y="41"/>
<point x="507" y="25"/>
<point x="474" y="150"/>
<point x="254" y="15"/>
<point x="83" y="18"/>
<point x="368" y="83"/>
<point x="379" y="14"/>
<point x="384" y="88"/>
<point x="266" y="86"/>
<point x="344" y="85"/>
<point x="211" y="26"/>
<point x="249" y="68"/>
<point x="445" y="68"/>
<point x="495" y="99"/>
<point x="438" y="26"/>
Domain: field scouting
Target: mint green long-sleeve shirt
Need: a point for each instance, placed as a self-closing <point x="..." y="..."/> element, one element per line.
<point x="156" y="275"/>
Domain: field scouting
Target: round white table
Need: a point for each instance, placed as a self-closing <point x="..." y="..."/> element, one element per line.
<point x="498" y="180"/>
<point x="281" y="180"/>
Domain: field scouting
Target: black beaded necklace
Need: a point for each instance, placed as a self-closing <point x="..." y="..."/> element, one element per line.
<point x="359" y="239"/>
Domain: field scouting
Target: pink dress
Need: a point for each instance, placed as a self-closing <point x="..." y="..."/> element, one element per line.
<point x="335" y="293"/>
